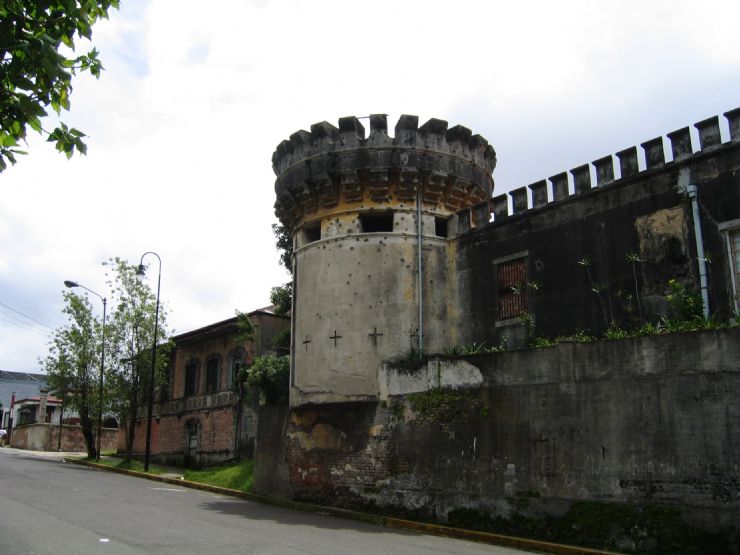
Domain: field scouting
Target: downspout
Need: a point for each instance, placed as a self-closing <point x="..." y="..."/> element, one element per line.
<point x="419" y="244"/>
<point x="693" y="195"/>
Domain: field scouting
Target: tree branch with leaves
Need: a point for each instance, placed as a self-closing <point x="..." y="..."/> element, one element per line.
<point x="36" y="72"/>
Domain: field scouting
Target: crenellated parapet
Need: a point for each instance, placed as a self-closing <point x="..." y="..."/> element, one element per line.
<point x="601" y="172"/>
<point x="332" y="165"/>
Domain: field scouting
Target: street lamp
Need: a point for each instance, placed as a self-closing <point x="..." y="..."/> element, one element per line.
<point x="72" y="284"/>
<point x="140" y="275"/>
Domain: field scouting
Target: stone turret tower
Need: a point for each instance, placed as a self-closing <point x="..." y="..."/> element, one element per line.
<point x="364" y="290"/>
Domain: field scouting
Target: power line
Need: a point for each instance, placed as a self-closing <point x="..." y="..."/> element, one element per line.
<point x="25" y="315"/>
<point x="21" y="320"/>
<point x="25" y="326"/>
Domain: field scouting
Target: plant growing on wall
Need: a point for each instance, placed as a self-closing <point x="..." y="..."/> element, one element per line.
<point x="527" y="318"/>
<point x="633" y="258"/>
<point x="270" y="375"/>
<point x="598" y="289"/>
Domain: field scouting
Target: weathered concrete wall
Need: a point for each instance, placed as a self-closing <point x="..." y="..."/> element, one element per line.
<point x="270" y="465"/>
<point x="363" y="288"/>
<point x="611" y="427"/>
<point x="646" y="213"/>
<point x="45" y="437"/>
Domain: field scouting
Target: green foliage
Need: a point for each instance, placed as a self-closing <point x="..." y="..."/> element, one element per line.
<point x="579" y="336"/>
<point x="73" y="360"/>
<point x="234" y="475"/>
<point x="284" y="244"/>
<point x="685" y="305"/>
<point x="270" y="375"/>
<point x="130" y="338"/>
<point x="245" y="327"/>
<point x="282" y="297"/>
<point x="281" y="341"/>
<point x="598" y="289"/>
<point x="653" y="529"/>
<point x="72" y="364"/>
<point x="35" y="74"/>
<point x="440" y="405"/>
<point x="473" y="349"/>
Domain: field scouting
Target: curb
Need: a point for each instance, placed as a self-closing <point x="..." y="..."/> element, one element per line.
<point x="377" y="520"/>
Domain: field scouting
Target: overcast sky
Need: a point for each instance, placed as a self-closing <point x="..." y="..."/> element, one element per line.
<point x="196" y="96"/>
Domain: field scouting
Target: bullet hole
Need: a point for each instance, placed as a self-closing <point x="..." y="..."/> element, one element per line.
<point x="539" y="265"/>
<point x="351" y="248"/>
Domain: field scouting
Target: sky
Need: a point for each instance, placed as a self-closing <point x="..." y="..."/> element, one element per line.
<point x="196" y="95"/>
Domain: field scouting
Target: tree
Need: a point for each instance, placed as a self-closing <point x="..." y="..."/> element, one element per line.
<point x="284" y="244"/>
<point x="131" y="336"/>
<point x="71" y="363"/>
<point x="36" y="74"/>
<point x="282" y="295"/>
<point x="270" y="375"/>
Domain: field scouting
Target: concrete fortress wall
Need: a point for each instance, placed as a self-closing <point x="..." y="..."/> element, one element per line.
<point x="636" y="437"/>
<point x="643" y="427"/>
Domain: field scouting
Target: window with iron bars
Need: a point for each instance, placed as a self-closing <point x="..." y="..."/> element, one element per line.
<point x="512" y="291"/>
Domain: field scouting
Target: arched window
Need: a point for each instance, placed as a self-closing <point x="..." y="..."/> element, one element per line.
<point x="237" y="363"/>
<point x="212" y="374"/>
<point x="191" y="378"/>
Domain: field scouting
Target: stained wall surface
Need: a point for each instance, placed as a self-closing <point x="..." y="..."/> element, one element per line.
<point x="643" y="423"/>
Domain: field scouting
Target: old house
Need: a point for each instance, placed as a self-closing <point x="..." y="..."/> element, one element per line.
<point x="200" y="415"/>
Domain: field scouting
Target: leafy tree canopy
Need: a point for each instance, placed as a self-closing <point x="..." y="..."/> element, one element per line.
<point x="36" y="71"/>
<point x="282" y="296"/>
<point x="270" y="374"/>
<point x="284" y="244"/>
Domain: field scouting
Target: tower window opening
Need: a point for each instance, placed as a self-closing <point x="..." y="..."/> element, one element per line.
<point x="312" y="233"/>
<point x="376" y="223"/>
<point x="440" y="227"/>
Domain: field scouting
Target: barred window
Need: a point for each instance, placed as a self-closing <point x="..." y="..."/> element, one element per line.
<point x="212" y="375"/>
<point x="512" y="291"/>
<point x="191" y="379"/>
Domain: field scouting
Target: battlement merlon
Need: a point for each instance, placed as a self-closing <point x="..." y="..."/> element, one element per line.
<point x="331" y="164"/>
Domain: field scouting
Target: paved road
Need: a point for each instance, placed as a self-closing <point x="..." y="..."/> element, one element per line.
<point x="51" y="507"/>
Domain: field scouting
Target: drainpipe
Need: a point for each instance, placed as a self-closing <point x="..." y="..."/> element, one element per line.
<point x="419" y="243"/>
<point x="693" y="195"/>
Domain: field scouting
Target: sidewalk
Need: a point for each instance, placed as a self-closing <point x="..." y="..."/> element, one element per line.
<point x="50" y="455"/>
<point x="168" y="471"/>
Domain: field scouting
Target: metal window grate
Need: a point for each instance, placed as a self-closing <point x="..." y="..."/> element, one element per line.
<point x="512" y="274"/>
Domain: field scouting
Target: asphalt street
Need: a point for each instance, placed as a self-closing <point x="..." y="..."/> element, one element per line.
<point x="48" y="506"/>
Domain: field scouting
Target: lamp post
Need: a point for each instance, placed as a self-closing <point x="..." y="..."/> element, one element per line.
<point x="71" y="284"/>
<point x="140" y="274"/>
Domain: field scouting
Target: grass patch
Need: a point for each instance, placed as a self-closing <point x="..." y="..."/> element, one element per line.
<point x="235" y="475"/>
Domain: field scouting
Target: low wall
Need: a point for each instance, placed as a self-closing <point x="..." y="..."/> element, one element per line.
<point x="628" y="445"/>
<point x="270" y="465"/>
<point x="45" y="437"/>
